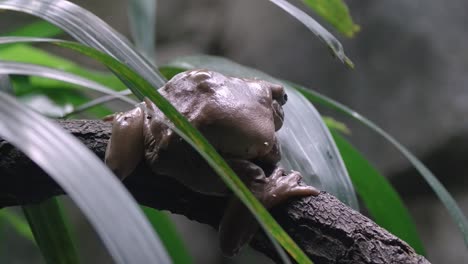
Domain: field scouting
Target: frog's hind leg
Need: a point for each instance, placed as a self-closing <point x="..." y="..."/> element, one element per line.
<point x="238" y="225"/>
<point x="125" y="148"/>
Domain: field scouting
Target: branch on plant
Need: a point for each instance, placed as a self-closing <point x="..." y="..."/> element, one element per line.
<point x="327" y="230"/>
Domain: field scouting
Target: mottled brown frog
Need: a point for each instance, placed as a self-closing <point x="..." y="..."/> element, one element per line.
<point x="239" y="117"/>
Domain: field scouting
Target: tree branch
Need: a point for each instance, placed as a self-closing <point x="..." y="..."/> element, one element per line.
<point x="326" y="229"/>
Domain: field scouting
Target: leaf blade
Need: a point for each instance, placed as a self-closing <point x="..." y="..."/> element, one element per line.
<point x="326" y="37"/>
<point x="383" y="202"/>
<point x="16" y="68"/>
<point x="51" y="231"/>
<point x="167" y="231"/>
<point x="336" y="13"/>
<point x="142" y="18"/>
<point x="38" y="28"/>
<point x="444" y="196"/>
<point x="88" y="29"/>
<point x="28" y="54"/>
<point x="128" y="236"/>
<point x="21" y="227"/>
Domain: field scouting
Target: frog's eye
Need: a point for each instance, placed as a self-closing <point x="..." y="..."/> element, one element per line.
<point x="283" y="99"/>
<point x="200" y="75"/>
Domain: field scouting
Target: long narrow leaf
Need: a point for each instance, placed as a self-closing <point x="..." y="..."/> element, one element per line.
<point x="88" y="29"/>
<point x="142" y="18"/>
<point x="51" y="232"/>
<point x="307" y="146"/>
<point x="17" y="68"/>
<point x="19" y="225"/>
<point x="336" y="12"/>
<point x="326" y="37"/>
<point x="169" y="236"/>
<point x="5" y="84"/>
<point x="97" y="192"/>
<point x="95" y="102"/>
<point x="383" y="202"/>
<point x="38" y="28"/>
<point x="444" y="196"/>
<point x="182" y="126"/>
<point x="28" y="54"/>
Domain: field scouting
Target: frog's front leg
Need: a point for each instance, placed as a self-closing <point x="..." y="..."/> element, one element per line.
<point x="238" y="224"/>
<point x="126" y="144"/>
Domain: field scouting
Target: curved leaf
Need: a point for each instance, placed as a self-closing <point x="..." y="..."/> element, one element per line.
<point x="19" y="225"/>
<point x="97" y="192"/>
<point x="336" y="13"/>
<point x="168" y="234"/>
<point x="444" y="196"/>
<point x="88" y="29"/>
<point x="306" y="146"/>
<point x="5" y="84"/>
<point x="182" y="126"/>
<point x="96" y="102"/>
<point x="326" y="37"/>
<point x="38" y="28"/>
<point x="142" y="18"/>
<point x="28" y="54"/>
<point x="12" y="68"/>
<point x="51" y="231"/>
<point x="383" y="202"/>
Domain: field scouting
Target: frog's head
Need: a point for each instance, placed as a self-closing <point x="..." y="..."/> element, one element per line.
<point x="239" y="116"/>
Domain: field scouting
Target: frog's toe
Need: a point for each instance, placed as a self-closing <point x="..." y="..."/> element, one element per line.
<point x="277" y="173"/>
<point x="282" y="187"/>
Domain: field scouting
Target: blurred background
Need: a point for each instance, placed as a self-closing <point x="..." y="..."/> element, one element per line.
<point x="411" y="78"/>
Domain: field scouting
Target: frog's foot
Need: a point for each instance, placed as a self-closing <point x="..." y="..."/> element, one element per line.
<point x="238" y="225"/>
<point x="281" y="186"/>
<point x="125" y="147"/>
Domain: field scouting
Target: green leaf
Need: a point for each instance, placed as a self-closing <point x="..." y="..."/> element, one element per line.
<point x="336" y="125"/>
<point x="336" y="13"/>
<point x="444" y="196"/>
<point x="383" y="202"/>
<point x="26" y="53"/>
<point x="38" y="28"/>
<point x="89" y="29"/>
<point x="182" y="126"/>
<point x="61" y="96"/>
<point x="51" y="231"/>
<point x="98" y="193"/>
<point x="326" y="37"/>
<point x="142" y="18"/>
<point x="19" y="225"/>
<point x="168" y="234"/>
<point x="44" y="105"/>
<point x="56" y="90"/>
<point x="16" y="68"/>
<point x="5" y="84"/>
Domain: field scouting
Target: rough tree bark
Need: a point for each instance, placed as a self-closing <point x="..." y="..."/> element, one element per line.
<point x="326" y="229"/>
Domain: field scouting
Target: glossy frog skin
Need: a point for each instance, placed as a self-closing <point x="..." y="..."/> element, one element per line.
<point x="239" y="117"/>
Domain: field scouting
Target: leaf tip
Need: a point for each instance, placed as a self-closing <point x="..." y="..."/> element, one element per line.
<point x="348" y="63"/>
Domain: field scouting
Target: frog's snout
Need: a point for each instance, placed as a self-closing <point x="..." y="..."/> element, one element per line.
<point x="278" y="93"/>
